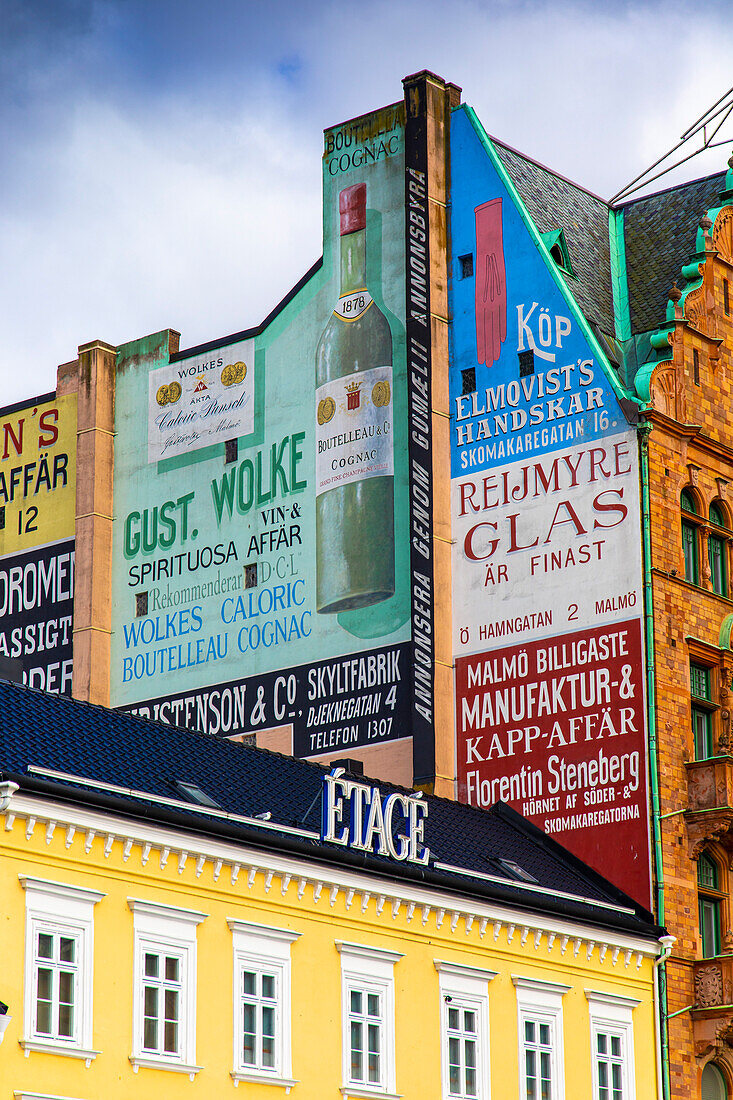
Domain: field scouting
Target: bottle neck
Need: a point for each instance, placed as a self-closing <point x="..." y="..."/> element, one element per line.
<point x="353" y="261"/>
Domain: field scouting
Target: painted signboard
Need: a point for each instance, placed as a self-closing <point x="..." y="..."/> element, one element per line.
<point x="211" y="400"/>
<point x="261" y="564"/>
<point x="547" y="574"/>
<point x="37" y="515"/>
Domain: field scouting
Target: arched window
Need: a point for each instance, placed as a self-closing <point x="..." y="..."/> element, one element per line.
<point x="712" y="1084"/>
<point x="717" y="552"/>
<point x="689" y="538"/>
<point x="709" y="900"/>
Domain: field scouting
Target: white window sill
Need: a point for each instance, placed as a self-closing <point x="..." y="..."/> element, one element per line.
<point x="148" y="1062"/>
<point x="50" y="1046"/>
<point x="253" y="1078"/>
<point x="24" y="1094"/>
<point x="364" y="1092"/>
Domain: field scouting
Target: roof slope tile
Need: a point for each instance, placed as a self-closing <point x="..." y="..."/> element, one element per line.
<point x="58" y="734"/>
<point x="659" y="233"/>
<point x="555" y="203"/>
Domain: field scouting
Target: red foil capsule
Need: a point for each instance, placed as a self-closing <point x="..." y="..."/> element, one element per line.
<point x="352" y="208"/>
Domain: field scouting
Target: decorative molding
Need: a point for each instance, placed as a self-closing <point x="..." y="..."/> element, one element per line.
<point x="261" y="1079"/>
<point x="37" y="1046"/>
<point x="357" y="1093"/>
<point x="145" y="840"/>
<point x="138" y="1060"/>
<point x="263" y="931"/>
<point x="167" y="912"/>
<point x="709" y="986"/>
<point x="25" y="1094"/>
<point x="611" y="999"/>
<point x="370" y="954"/>
<point x="458" y="970"/>
<point x="60" y="889"/>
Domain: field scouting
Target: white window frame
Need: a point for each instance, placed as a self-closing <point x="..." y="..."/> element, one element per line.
<point x="613" y="1014"/>
<point x="162" y="929"/>
<point x="264" y="950"/>
<point x="371" y="970"/>
<point x="541" y="1002"/>
<point x="465" y="987"/>
<point x="60" y="908"/>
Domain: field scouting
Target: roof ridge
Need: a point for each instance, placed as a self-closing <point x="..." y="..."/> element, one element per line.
<point x="546" y="168"/>
<point x="667" y="190"/>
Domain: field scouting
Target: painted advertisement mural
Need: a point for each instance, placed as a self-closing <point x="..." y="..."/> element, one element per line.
<point x="37" y="515"/>
<point x="261" y="567"/>
<point x="547" y="578"/>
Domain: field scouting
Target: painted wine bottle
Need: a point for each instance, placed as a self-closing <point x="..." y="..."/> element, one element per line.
<point x="355" y="561"/>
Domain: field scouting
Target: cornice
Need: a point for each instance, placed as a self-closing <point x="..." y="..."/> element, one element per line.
<point x="690" y="432"/>
<point x="308" y="884"/>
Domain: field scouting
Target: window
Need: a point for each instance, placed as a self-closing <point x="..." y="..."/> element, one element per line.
<point x="696" y="367"/>
<point x="164" y="987"/>
<point x="468" y="380"/>
<point x="526" y="362"/>
<point x="368" y="1015"/>
<point x="717" y="553"/>
<point x="466" y="265"/>
<point x="712" y="1082"/>
<point x="464" y="1016"/>
<point x="609" y="1065"/>
<point x="541" y="1068"/>
<point x="162" y="996"/>
<point x="701" y="711"/>
<point x="726" y="297"/>
<point x="59" y="958"/>
<point x="709" y="900"/>
<point x="612" y="1045"/>
<point x="366" y="1035"/>
<point x="193" y="793"/>
<point x="262" y="1009"/>
<point x="57" y="983"/>
<point x="689" y="538"/>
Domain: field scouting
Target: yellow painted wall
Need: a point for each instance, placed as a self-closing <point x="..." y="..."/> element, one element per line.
<point x="316" y="977"/>
<point x="38" y="432"/>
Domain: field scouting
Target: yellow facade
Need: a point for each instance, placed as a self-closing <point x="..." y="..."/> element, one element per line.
<point x="38" y="474"/>
<point x="325" y="907"/>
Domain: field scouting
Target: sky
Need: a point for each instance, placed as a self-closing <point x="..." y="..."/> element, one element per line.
<point x="160" y="160"/>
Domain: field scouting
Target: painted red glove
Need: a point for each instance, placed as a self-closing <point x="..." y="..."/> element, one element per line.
<point x="490" y="283"/>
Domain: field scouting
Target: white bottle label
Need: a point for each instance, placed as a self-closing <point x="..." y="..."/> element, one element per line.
<point x="350" y="307"/>
<point x="354" y="429"/>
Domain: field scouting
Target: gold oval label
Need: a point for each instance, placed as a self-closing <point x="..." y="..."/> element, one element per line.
<point x="326" y="410"/>
<point x="381" y="394"/>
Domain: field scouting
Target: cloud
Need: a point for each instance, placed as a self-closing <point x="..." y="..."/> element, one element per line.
<point x="162" y="160"/>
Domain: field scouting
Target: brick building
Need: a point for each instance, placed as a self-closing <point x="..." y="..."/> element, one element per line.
<point x="510" y="299"/>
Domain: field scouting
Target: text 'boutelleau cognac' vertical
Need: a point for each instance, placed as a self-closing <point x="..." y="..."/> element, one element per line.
<point x="354" y="446"/>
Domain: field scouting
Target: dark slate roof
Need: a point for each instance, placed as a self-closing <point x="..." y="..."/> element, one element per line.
<point x="659" y="232"/>
<point x="554" y="202"/>
<point x="130" y="762"/>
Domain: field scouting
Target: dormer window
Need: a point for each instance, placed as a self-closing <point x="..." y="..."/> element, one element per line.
<point x="193" y="793"/>
<point x="558" y="249"/>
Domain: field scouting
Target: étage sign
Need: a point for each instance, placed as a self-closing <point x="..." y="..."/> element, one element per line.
<point x="355" y="815"/>
<point x="37" y="526"/>
<point x="547" y="578"/>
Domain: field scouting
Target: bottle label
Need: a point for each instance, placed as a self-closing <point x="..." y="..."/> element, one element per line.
<point x="350" y="307"/>
<point x="354" y="428"/>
